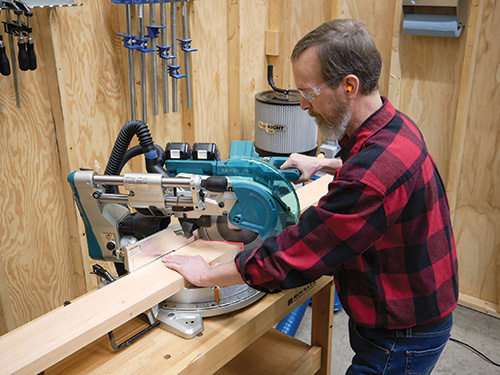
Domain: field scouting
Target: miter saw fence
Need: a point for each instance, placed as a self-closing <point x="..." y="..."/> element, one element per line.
<point x="242" y="199"/>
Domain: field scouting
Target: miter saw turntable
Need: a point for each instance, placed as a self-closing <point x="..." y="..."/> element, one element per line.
<point x="242" y="199"/>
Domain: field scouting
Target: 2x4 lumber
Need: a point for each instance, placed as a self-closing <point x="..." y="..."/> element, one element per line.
<point x="463" y="105"/>
<point x="322" y="325"/>
<point x="310" y="193"/>
<point x="188" y="115"/>
<point x="395" y="67"/>
<point x="480" y="305"/>
<point x="52" y="46"/>
<point x="43" y="342"/>
<point x="223" y="338"/>
<point x="234" y="66"/>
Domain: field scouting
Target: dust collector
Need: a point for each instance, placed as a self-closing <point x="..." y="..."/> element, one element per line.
<point x="281" y="126"/>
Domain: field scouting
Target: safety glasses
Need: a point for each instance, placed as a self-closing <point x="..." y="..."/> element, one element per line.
<point x="311" y="94"/>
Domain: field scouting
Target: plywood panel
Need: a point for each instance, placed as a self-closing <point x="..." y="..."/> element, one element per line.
<point x="302" y="20"/>
<point x="477" y="217"/>
<point x="211" y="72"/>
<point x="36" y="264"/>
<point x="430" y="68"/>
<point x="253" y="63"/>
<point x="378" y="17"/>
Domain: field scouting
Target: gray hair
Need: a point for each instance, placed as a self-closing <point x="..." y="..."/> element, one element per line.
<point x="344" y="47"/>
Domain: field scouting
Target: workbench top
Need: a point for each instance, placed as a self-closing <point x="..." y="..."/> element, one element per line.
<point x="223" y="338"/>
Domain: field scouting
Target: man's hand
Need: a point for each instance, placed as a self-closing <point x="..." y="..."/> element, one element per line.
<point x="309" y="165"/>
<point x="192" y="268"/>
<point x="198" y="272"/>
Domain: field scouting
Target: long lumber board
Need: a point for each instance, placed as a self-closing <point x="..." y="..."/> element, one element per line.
<point x="224" y="337"/>
<point x="43" y="342"/>
<point x="310" y="193"/>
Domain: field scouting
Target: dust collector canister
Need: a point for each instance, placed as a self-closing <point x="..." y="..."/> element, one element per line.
<point x="281" y="126"/>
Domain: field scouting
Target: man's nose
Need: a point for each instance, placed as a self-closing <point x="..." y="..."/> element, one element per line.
<point x="305" y="104"/>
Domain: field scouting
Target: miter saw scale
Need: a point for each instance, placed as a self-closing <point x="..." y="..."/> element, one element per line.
<point x="244" y="198"/>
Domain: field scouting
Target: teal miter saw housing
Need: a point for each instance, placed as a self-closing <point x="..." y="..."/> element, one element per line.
<point x="266" y="200"/>
<point x="242" y="199"/>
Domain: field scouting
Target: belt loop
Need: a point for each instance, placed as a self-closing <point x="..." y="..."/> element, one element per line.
<point x="409" y="332"/>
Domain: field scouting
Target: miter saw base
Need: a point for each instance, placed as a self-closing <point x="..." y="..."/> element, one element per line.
<point x="182" y="313"/>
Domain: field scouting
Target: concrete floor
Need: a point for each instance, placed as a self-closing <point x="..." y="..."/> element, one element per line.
<point x="478" y="330"/>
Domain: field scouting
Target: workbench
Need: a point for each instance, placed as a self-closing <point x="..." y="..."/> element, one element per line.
<point x="241" y="342"/>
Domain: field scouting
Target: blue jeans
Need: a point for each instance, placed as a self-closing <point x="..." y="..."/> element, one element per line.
<point x="401" y="351"/>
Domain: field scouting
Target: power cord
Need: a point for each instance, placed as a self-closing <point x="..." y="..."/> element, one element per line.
<point x="475" y="351"/>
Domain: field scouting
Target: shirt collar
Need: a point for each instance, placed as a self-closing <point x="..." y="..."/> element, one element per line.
<point x="351" y="144"/>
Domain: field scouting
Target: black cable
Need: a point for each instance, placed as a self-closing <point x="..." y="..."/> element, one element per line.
<point x="475" y="351"/>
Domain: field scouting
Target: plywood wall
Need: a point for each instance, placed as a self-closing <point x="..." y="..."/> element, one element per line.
<point x="74" y="104"/>
<point x="477" y="214"/>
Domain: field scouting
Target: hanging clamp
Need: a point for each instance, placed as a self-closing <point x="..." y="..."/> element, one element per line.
<point x="154" y="31"/>
<point x="186" y="45"/>
<point x="173" y="71"/>
<point x="143" y="45"/>
<point x="129" y="41"/>
<point x="164" y="52"/>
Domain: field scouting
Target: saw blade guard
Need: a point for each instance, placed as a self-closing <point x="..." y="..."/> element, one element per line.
<point x="267" y="202"/>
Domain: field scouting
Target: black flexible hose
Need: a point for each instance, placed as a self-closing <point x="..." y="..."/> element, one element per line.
<point x="122" y="143"/>
<point x="137" y="150"/>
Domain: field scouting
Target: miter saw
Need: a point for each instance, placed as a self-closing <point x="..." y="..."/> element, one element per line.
<point x="242" y="199"/>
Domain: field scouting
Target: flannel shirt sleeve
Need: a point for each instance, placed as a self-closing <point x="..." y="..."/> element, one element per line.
<point x="346" y="222"/>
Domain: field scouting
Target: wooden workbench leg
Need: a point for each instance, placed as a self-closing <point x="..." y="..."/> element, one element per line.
<point x="322" y="325"/>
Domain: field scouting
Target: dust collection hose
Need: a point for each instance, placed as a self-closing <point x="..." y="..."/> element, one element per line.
<point x="122" y="143"/>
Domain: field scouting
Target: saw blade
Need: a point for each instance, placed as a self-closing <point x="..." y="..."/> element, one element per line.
<point x="219" y="230"/>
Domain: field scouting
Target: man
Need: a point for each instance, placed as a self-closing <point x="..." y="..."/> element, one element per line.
<point x="383" y="228"/>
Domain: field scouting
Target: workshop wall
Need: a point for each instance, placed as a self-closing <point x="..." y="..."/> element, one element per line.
<point x="75" y="102"/>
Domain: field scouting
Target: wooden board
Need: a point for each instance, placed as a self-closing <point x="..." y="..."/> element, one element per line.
<point x="45" y="341"/>
<point x="161" y="352"/>
<point x="311" y="193"/>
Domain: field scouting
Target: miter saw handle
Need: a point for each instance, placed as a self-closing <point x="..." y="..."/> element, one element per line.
<point x="291" y="174"/>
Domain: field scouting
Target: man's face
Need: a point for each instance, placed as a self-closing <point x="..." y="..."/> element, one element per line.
<point x="334" y="122"/>
<point x="330" y="109"/>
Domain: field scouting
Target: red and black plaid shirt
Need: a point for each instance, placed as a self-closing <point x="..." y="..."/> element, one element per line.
<point x="383" y="229"/>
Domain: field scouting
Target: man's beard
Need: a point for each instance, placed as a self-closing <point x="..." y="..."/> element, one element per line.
<point x="334" y="124"/>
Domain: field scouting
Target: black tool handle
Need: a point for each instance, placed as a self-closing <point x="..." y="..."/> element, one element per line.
<point x="31" y="56"/>
<point x="4" y="62"/>
<point x="24" y="62"/>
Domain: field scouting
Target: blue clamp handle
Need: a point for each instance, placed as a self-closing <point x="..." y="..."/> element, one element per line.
<point x="186" y="45"/>
<point x="173" y="71"/>
<point x="154" y="31"/>
<point x="129" y="41"/>
<point x="164" y="52"/>
<point x="143" y="45"/>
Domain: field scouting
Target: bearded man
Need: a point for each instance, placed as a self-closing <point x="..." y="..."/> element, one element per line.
<point x="383" y="228"/>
